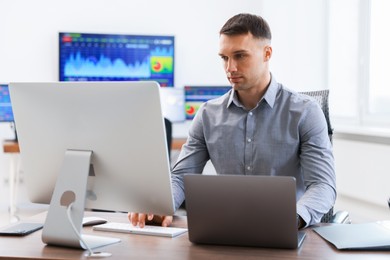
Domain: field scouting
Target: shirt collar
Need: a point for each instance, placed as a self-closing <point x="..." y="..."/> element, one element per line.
<point x="269" y="96"/>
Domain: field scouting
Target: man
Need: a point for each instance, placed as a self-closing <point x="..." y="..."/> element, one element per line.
<point x="258" y="128"/>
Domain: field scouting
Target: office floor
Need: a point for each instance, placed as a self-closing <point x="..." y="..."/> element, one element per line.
<point x="359" y="211"/>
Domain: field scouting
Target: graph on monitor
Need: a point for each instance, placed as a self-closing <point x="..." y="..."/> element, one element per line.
<point x="195" y="96"/>
<point x="116" y="57"/>
<point x="6" y="114"/>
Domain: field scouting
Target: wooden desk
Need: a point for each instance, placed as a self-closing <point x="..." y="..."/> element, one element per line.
<point x="13" y="147"/>
<point x="177" y="143"/>
<point x="151" y="247"/>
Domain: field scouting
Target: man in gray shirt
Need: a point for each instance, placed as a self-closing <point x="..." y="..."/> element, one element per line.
<point x="259" y="127"/>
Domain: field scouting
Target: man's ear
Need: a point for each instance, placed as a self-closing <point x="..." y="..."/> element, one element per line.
<point x="267" y="52"/>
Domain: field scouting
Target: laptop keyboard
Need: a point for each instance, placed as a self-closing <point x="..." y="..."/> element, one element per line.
<point x="147" y="230"/>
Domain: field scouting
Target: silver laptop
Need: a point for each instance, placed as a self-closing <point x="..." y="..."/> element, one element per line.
<point x="240" y="210"/>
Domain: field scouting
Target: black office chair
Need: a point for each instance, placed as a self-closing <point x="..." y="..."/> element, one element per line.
<point x="322" y="97"/>
<point x="168" y="132"/>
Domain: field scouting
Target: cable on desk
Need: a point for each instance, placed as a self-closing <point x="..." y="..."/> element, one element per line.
<point x="90" y="252"/>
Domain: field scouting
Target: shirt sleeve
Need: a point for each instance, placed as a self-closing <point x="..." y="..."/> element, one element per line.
<point x="192" y="158"/>
<point x="317" y="163"/>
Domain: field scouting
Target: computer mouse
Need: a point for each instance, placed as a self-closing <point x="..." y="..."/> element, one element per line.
<point x="91" y="221"/>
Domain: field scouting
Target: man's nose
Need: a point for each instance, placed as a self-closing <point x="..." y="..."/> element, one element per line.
<point x="231" y="66"/>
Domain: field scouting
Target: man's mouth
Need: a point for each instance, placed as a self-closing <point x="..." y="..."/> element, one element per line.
<point x="235" y="78"/>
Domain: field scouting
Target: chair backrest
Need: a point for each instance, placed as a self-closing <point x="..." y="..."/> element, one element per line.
<point x="168" y="131"/>
<point x="322" y="97"/>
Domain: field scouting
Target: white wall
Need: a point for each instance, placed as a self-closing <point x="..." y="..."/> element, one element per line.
<point x="363" y="170"/>
<point x="299" y="29"/>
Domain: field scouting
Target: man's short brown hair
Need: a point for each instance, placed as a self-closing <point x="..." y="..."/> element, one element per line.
<point x="247" y="23"/>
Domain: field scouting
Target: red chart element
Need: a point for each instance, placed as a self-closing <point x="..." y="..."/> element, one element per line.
<point x="190" y="110"/>
<point x="157" y="66"/>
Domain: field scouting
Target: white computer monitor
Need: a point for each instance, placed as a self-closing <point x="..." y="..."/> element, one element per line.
<point x="119" y="125"/>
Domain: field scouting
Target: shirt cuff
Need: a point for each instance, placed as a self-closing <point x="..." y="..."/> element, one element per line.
<point x="304" y="214"/>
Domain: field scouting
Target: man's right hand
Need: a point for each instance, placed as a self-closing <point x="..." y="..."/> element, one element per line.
<point x="140" y="219"/>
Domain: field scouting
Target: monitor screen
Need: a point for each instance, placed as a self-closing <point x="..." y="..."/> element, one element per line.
<point x="6" y="114"/>
<point x="195" y="96"/>
<point x="116" y="57"/>
<point x="121" y="123"/>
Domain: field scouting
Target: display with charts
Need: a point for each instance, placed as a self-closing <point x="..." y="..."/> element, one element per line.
<point x="6" y="114"/>
<point x="195" y="96"/>
<point x="116" y="57"/>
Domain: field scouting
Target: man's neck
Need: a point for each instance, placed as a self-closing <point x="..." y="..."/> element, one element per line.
<point x="251" y="97"/>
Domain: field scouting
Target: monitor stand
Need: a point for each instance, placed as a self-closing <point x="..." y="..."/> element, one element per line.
<point x="70" y="191"/>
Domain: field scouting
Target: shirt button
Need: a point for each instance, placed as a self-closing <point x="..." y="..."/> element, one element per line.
<point x="249" y="140"/>
<point x="248" y="168"/>
<point x="250" y="113"/>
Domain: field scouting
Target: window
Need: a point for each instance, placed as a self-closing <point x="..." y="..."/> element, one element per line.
<point x="343" y="59"/>
<point x="359" y="50"/>
<point x="379" y="81"/>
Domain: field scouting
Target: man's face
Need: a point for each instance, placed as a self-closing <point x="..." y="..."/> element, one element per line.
<point x="245" y="60"/>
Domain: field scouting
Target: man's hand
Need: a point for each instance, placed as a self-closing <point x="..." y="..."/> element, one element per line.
<point x="300" y="222"/>
<point x="141" y="219"/>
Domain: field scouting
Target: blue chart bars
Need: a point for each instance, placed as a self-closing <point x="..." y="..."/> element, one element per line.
<point x="6" y="114"/>
<point x="115" y="57"/>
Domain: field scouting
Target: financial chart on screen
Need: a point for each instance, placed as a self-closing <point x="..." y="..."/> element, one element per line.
<point x="195" y="96"/>
<point x="6" y="114"/>
<point x="116" y="57"/>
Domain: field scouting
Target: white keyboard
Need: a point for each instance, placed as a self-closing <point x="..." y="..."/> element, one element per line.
<point x="147" y="230"/>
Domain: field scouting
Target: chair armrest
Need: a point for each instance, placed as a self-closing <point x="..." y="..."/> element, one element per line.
<point x="341" y="217"/>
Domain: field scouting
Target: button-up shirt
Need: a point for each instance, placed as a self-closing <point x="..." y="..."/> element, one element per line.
<point x="284" y="135"/>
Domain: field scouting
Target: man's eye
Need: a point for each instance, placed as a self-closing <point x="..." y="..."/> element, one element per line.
<point x="240" y="56"/>
<point x="224" y="58"/>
